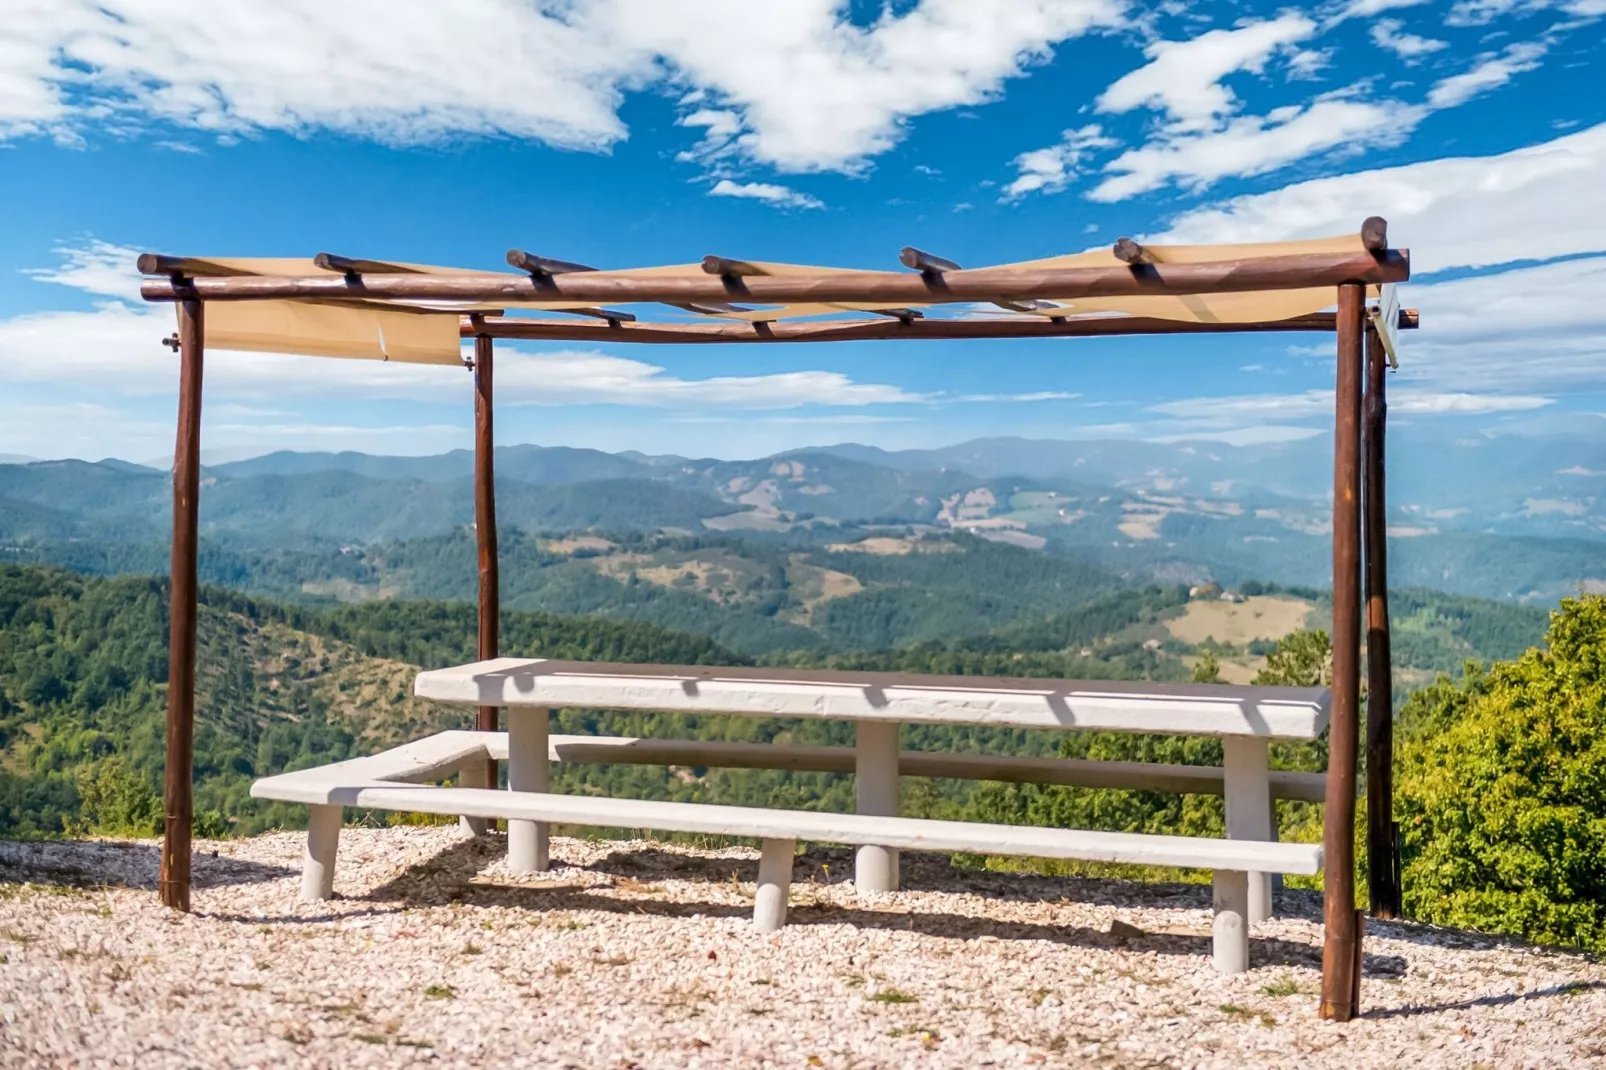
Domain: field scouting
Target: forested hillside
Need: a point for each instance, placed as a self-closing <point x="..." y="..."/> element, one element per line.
<point x="83" y="669"/>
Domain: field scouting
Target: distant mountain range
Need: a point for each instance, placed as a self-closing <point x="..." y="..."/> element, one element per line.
<point x="1513" y="517"/>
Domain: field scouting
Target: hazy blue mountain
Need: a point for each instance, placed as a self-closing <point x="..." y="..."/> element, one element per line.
<point x="526" y="463"/>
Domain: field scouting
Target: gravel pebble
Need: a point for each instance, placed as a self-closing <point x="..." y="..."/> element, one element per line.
<point x="641" y="954"/>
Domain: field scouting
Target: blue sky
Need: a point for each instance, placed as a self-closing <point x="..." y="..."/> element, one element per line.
<point x="639" y="132"/>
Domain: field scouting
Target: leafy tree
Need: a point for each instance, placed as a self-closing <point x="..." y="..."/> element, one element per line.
<point x="1207" y="670"/>
<point x="1501" y="790"/>
<point x="1300" y="659"/>
<point x="116" y="801"/>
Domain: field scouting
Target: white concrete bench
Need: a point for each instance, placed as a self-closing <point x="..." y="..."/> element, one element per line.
<point x="1245" y="718"/>
<point x="389" y="781"/>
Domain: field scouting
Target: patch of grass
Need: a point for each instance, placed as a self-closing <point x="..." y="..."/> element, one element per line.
<point x="251" y="987"/>
<point x="440" y="992"/>
<point x="1040" y="995"/>
<point x="472" y="948"/>
<point x="1234" y="1011"/>
<point x="263" y="964"/>
<point x="19" y="938"/>
<point x="414" y="1042"/>
<point x="1283" y="986"/>
<point x="370" y="1038"/>
<point x="854" y="980"/>
<point x="893" y="995"/>
<point x="561" y="969"/>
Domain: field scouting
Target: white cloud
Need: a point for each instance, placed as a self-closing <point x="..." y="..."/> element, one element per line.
<point x="797" y="84"/>
<point x="1365" y="9"/>
<point x="96" y="267"/>
<point x="1184" y="78"/>
<point x="1202" y="137"/>
<point x="1492" y="71"/>
<point x="813" y="91"/>
<point x="1535" y="203"/>
<point x="1253" y="145"/>
<point x="1526" y="330"/>
<point x="1319" y="403"/>
<point x="768" y="192"/>
<point x="1051" y="170"/>
<point x="1389" y="34"/>
<point x="1036" y="395"/>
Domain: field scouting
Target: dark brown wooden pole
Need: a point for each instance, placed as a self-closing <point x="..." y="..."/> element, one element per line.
<point x="174" y="881"/>
<point x="1341" y="950"/>
<point x="1382" y="847"/>
<point x="490" y="616"/>
<point x="880" y="288"/>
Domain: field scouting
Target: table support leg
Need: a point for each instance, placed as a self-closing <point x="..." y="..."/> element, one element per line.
<point x="875" y="869"/>
<point x="528" y="769"/>
<point x="473" y="775"/>
<point x="1247" y="782"/>
<point x="323" y="840"/>
<point x="774" y="884"/>
<point x="1230" y="929"/>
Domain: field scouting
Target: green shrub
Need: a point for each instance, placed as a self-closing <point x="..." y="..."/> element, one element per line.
<point x="1501" y="790"/>
<point x="116" y="801"/>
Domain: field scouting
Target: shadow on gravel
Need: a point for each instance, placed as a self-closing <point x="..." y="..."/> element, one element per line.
<point x="450" y="877"/>
<point x="1553" y="992"/>
<point x="120" y="864"/>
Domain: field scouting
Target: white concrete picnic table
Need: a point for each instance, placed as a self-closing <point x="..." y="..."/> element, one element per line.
<point x="1245" y="718"/>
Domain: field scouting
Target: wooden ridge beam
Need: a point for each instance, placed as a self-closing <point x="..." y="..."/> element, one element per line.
<point x="1301" y="271"/>
<point x="871" y="330"/>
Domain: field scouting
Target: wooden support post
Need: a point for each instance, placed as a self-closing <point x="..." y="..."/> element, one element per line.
<point x="529" y="768"/>
<point x="1382" y="846"/>
<point x="875" y="869"/>
<point x="175" y="875"/>
<point x="774" y="884"/>
<point x="490" y="610"/>
<point x="1338" y="826"/>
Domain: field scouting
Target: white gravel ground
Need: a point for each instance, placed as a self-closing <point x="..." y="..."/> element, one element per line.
<point x="642" y="955"/>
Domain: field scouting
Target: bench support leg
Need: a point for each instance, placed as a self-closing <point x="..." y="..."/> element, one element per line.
<point x="473" y="775"/>
<point x="1246" y="780"/>
<point x="528" y="769"/>
<point x="875" y="869"/>
<point x="774" y="884"/>
<point x="1230" y="930"/>
<point x="318" y="864"/>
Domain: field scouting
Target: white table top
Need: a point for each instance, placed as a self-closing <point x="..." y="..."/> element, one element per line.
<point x="1102" y="705"/>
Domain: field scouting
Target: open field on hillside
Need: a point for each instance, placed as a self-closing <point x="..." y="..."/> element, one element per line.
<point x="1238" y="623"/>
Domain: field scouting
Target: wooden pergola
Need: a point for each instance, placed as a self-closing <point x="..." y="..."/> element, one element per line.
<point x="339" y="306"/>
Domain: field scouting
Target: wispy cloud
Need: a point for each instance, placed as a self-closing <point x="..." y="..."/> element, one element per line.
<point x="768" y="192"/>
<point x="1052" y="169"/>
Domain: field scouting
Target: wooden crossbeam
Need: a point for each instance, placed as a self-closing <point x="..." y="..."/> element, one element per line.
<point x="858" y="330"/>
